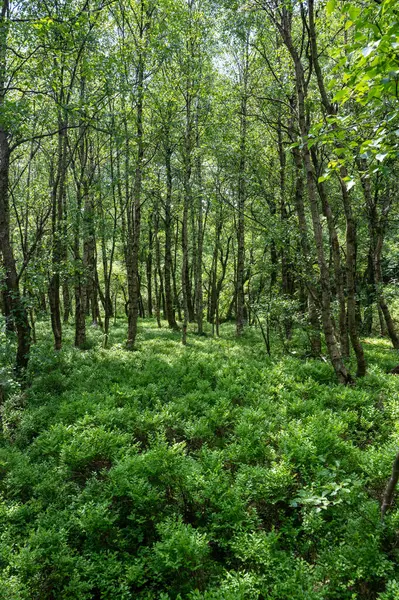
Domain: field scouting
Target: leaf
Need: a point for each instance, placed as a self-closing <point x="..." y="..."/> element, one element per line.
<point x="331" y="4"/>
<point x="354" y="12"/>
<point x="341" y="95"/>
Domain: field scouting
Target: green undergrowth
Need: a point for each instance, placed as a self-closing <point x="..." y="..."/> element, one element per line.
<point x="210" y="472"/>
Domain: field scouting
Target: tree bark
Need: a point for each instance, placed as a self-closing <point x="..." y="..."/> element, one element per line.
<point x="240" y="297"/>
<point x="134" y="217"/>
<point x="170" y="312"/>
<point x="157" y="270"/>
<point x="390" y="489"/>
<point x="351" y="235"/>
<point x="351" y="246"/>
<point x="200" y="234"/>
<point x="312" y="295"/>
<point x="149" y="265"/>
<point x="377" y="226"/>
<point x="334" y="351"/>
<point x="185" y="268"/>
<point x="57" y="216"/>
<point x="337" y="263"/>
<point x="12" y="295"/>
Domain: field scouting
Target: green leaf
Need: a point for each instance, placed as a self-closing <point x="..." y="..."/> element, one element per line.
<point x="323" y="177"/>
<point x="331" y="4"/>
<point x="354" y="12"/>
<point x="341" y="95"/>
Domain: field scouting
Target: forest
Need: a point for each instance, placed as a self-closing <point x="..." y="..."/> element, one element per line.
<point x="199" y="308"/>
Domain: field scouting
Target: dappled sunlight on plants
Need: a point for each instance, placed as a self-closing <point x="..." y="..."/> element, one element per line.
<point x="210" y="471"/>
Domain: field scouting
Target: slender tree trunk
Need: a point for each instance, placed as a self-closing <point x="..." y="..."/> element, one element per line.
<point x="149" y="265"/>
<point x="185" y="269"/>
<point x="381" y="297"/>
<point x="58" y="195"/>
<point x="369" y="286"/>
<point x="351" y="245"/>
<point x="390" y="489"/>
<point x="81" y="262"/>
<point x="312" y="296"/>
<point x="377" y="227"/>
<point x="170" y="312"/>
<point x="6" y="303"/>
<point x="240" y="298"/>
<point x="66" y="301"/>
<point x="381" y="320"/>
<point x="13" y="299"/>
<point x="108" y="264"/>
<point x="200" y="235"/>
<point x="176" y="298"/>
<point x="213" y="296"/>
<point x="188" y="312"/>
<point x="89" y="256"/>
<point x="334" y="351"/>
<point x="336" y="258"/>
<point x="189" y="287"/>
<point x="287" y="281"/>
<point x="66" y="296"/>
<point x="80" y="295"/>
<point x="135" y="215"/>
<point x="157" y="269"/>
<point x="80" y="288"/>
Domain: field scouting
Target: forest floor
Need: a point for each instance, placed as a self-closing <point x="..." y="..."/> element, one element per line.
<point x="207" y="472"/>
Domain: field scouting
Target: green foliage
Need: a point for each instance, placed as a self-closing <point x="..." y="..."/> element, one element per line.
<point x="210" y="472"/>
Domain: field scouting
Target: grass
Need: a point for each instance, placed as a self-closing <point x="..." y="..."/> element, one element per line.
<point x="206" y="472"/>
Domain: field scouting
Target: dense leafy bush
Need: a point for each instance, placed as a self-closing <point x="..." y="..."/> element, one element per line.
<point x="210" y="472"/>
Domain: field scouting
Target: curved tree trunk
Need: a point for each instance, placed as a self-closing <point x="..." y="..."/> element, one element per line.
<point x="334" y="351"/>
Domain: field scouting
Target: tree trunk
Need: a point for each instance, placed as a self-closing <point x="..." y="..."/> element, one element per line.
<point x="377" y="226"/>
<point x="185" y="269"/>
<point x="176" y="298"/>
<point x="170" y="312"/>
<point x="134" y="217"/>
<point x="13" y="299"/>
<point x="240" y="298"/>
<point x="58" y="187"/>
<point x="336" y="258"/>
<point x="351" y="243"/>
<point x="312" y="295"/>
<point x="351" y="246"/>
<point x="287" y="280"/>
<point x="108" y="263"/>
<point x="149" y="265"/>
<point x="334" y="351"/>
<point x="390" y="489"/>
<point x="80" y="288"/>
<point x="200" y="234"/>
<point x="157" y="269"/>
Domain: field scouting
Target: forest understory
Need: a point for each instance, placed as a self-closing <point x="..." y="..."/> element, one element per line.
<point x="210" y="471"/>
